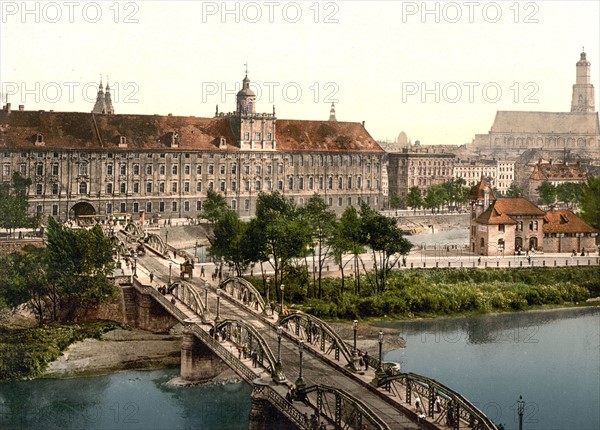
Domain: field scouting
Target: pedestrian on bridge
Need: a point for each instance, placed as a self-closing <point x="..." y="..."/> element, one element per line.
<point x="151" y="277"/>
<point x="202" y="271"/>
<point x="366" y="360"/>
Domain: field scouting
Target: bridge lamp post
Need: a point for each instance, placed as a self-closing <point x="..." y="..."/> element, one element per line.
<point x="520" y="411"/>
<point x="300" y="385"/>
<point x="196" y="249"/>
<point x="134" y="266"/>
<point x="380" y="367"/>
<point x="170" y="269"/>
<point x="279" y="333"/>
<point x="217" y="318"/>
<point x="355" y="327"/>
<point x="282" y="288"/>
<point x="167" y="238"/>
<point x="206" y="296"/>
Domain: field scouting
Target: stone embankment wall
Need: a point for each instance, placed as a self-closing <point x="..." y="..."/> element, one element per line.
<point x="8" y="246"/>
<point x="423" y="223"/>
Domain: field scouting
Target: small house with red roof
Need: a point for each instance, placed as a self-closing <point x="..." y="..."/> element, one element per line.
<point x="566" y="232"/>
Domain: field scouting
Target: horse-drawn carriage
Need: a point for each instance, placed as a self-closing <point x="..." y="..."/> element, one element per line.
<point x="187" y="268"/>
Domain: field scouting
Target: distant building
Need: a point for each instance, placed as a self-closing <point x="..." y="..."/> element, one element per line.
<point x="418" y="167"/>
<point x="577" y="131"/>
<point x="566" y="232"/>
<point x="555" y="173"/>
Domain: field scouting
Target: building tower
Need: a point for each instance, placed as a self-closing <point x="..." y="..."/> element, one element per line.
<point x="332" y="113"/>
<point x="108" y="100"/>
<point x="246" y="99"/>
<point x="583" y="90"/>
<point x="100" y="106"/>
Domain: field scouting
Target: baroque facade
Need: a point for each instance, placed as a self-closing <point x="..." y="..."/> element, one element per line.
<point x="100" y="163"/>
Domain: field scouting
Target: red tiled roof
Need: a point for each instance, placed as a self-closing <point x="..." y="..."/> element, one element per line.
<point x="505" y="209"/>
<point x="565" y="221"/>
<point x="78" y="130"/>
<point x="476" y="192"/>
<point x="558" y="172"/>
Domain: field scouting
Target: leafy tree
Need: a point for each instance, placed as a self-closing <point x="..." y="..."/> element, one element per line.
<point x="279" y="233"/>
<point x="590" y="201"/>
<point x="320" y="221"/>
<point x="214" y="207"/>
<point x="79" y="263"/>
<point x="347" y="238"/>
<point x="14" y="203"/>
<point x="396" y="202"/>
<point x="547" y="193"/>
<point x="435" y="198"/>
<point x="382" y="235"/>
<point x="515" y="191"/>
<point x="227" y="241"/>
<point x="414" y="199"/>
<point x="570" y="193"/>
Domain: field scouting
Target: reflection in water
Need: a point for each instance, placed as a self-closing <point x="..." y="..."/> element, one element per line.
<point x="551" y="358"/>
<point x="125" y="400"/>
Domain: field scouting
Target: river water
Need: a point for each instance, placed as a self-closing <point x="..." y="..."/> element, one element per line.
<point x="550" y="358"/>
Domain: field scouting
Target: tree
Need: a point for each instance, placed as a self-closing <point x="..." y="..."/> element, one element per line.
<point x="79" y="263"/>
<point x="570" y="193"/>
<point x="214" y="207"/>
<point x="347" y="236"/>
<point x="515" y="191"/>
<point x="590" y="201"/>
<point x="227" y="241"/>
<point x="396" y="202"/>
<point x="320" y="220"/>
<point x="14" y="203"/>
<point x="435" y="198"/>
<point x="414" y="199"/>
<point x="547" y="193"/>
<point x="382" y="235"/>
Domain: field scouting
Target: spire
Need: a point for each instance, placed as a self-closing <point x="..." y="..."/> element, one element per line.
<point x="332" y="113"/>
<point x="108" y="99"/>
<point x="583" y="90"/>
<point x="100" y="105"/>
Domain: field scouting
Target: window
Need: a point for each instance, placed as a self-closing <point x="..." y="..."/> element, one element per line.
<point x="368" y="184"/>
<point x="174" y="169"/>
<point x="280" y="185"/>
<point x="174" y="186"/>
<point x="54" y="210"/>
<point x="233" y="186"/>
<point x="234" y="204"/>
<point x="501" y="228"/>
<point x="109" y="208"/>
<point x="256" y="136"/>
<point x="148" y="187"/>
<point x="187" y="169"/>
<point x="161" y="206"/>
<point x="257" y="170"/>
<point x="222" y="169"/>
<point x="330" y="183"/>
<point x="301" y="183"/>
<point x="198" y="186"/>
<point x="55" y="169"/>
<point x="83" y="169"/>
<point x="148" y="207"/>
<point x="350" y="199"/>
<point x="39" y="209"/>
<point x="257" y="186"/>
<point x="123" y="189"/>
<point x="234" y="169"/>
<point x="161" y="187"/>
<point x="198" y="205"/>
<point x="290" y="160"/>
<point x="136" y="187"/>
<point x="186" y="187"/>
<point x="123" y="169"/>
<point x="246" y="136"/>
<point x="349" y="182"/>
<point x="520" y="226"/>
<point x="136" y="207"/>
<point x="55" y="189"/>
<point x="330" y="160"/>
<point x="109" y="169"/>
<point x="123" y="207"/>
<point x="199" y="169"/>
<point x="186" y="206"/>
<point x="39" y="189"/>
<point x="269" y="185"/>
<point x="6" y="170"/>
<point x="330" y="201"/>
<point x="247" y="205"/>
<point x="149" y="169"/>
<point x="268" y="136"/>
<point x="340" y="201"/>
<point x="340" y="184"/>
<point x="222" y="186"/>
<point x="280" y="168"/>
<point x="211" y="169"/>
<point x="311" y="183"/>
<point x="23" y="169"/>
<point x="290" y="183"/>
<point x="109" y="188"/>
<point x="320" y="182"/>
<point x="83" y="188"/>
<point x="136" y="169"/>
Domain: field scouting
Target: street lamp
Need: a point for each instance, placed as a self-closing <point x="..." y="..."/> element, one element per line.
<point x="279" y="333"/>
<point x="268" y="288"/>
<point x="206" y="296"/>
<point x="355" y="327"/>
<point x="167" y="238"/>
<point x="170" y="268"/>
<point x="135" y="265"/>
<point x="300" y="385"/>
<point x="520" y="411"/>
<point x="380" y="367"/>
<point x="282" y="288"/>
<point x="217" y="318"/>
<point x="196" y="249"/>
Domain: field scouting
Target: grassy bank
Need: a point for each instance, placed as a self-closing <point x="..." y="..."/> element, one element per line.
<point x="25" y="353"/>
<point x="447" y="292"/>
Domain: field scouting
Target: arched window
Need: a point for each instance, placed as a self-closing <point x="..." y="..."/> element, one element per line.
<point x="482" y="242"/>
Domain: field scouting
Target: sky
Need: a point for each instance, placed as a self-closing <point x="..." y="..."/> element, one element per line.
<point x="438" y="71"/>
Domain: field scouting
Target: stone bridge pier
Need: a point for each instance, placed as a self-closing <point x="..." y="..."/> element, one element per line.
<point x="141" y="310"/>
<point x="198" y="362"/>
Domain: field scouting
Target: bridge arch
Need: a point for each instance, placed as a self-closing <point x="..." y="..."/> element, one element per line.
<point x="315" y="330"/>
<point x="436" y="398"/>
<point x="244" y="291"/>
<point x="134" y="229"/>
<point x="189" y="296"/>
<point x="246" y="336"/>
<point x="343" y="409"/>
<point x="157" y="243"/>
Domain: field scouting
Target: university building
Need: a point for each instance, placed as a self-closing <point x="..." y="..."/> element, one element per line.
<point x="102" y="162"/>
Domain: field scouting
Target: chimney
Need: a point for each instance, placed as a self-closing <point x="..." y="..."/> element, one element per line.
<point x="21" y="108"/>
<point x="363" y="124"/>
<point x="8" y="109"/>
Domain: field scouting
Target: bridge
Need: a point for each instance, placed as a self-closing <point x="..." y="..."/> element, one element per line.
<point x="302" y="373"/>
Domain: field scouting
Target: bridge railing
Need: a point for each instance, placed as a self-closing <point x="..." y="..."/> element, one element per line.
<point x="434" y="398"/>
<point x="243" y="291"/>
<point x="187" y="294"/>
<point x="284" y="406"/>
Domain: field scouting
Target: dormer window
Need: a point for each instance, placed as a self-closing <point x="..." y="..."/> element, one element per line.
<point x="122" y="141"/>
<point x="222" y="142"/>
<point x="39" y="139"/>
<point x="174" y="140"/>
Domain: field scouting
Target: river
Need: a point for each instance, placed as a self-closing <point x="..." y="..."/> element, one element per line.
<point x="551" y="358"/>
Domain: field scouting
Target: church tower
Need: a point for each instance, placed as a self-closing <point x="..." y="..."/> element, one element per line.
<point x="108" y="100"/>
<point x="332" y="113"/>
<point x="583" y="90"/>
<point x="100" y="105"/>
